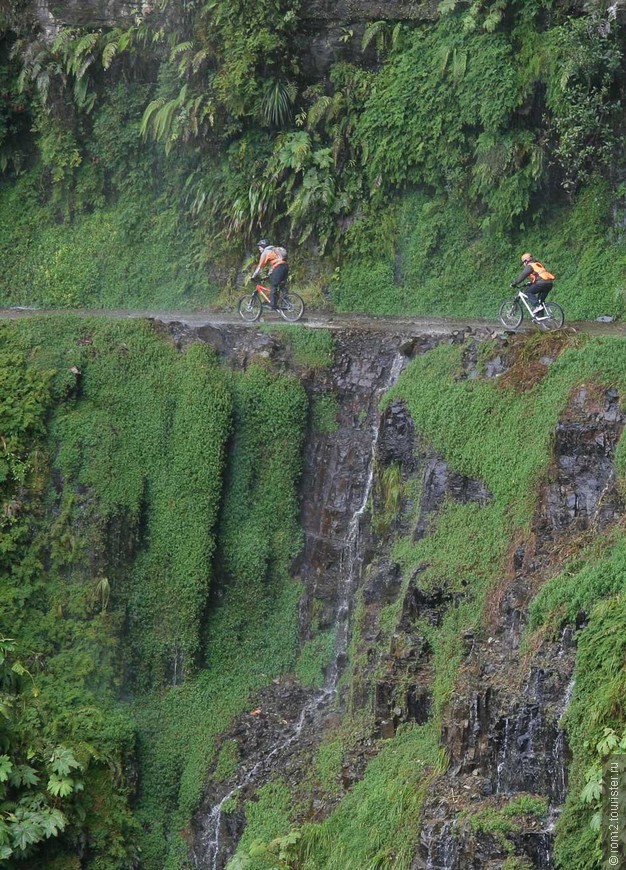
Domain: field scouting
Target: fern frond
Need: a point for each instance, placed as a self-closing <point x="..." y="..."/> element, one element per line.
<point x="199" y="58"/>
<point x="317" y="111"/>
<point x="459" y="64"/>
<point x="180" y="48"/>
<point x="151" y="110"/>
<point x="108" y="53"/>
<point x="446" y="7"/>
<point x="373" y="31"/>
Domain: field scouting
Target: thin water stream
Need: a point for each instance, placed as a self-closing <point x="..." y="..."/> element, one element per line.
<point x="211" y="854"/>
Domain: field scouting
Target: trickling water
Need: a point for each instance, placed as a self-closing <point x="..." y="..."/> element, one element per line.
<point x="559" y="748"/>
<point x="443" y="848"/>
<point x="504" y="753"/>
<point x="350" y="567"/>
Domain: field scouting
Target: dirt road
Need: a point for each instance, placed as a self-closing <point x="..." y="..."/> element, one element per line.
<point x="320" y="320"/>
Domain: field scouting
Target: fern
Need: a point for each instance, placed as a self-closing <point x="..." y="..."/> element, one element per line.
<point x="318" y="110"/>
<point x="108" y="53"/>
<point x="375" y="31"/>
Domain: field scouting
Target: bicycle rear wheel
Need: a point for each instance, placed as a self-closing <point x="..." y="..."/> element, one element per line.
<point x="250" y="307"/>
<point x="510" y="313"/>
<point x="554" y="317"/>
<point x="290" y="306"/>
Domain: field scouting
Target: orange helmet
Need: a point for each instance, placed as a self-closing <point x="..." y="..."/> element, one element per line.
<point x="526" y="257"/>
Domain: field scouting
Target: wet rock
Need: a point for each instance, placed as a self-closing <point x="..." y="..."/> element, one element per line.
<point x="439" y="483"/>
<point x="396" y="441"/>
<point x="583" y="489"/>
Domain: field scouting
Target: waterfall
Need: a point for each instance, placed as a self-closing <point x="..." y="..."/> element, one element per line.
<point x="443" y="848"/>
<point x="209" y="855"/>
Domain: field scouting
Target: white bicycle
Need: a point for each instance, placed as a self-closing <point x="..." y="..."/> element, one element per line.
<point x="550" y="316"/>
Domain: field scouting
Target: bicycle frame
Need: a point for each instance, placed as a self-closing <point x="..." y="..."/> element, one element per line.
<point x="523" y="298"/>
<point x="264" y="292"/>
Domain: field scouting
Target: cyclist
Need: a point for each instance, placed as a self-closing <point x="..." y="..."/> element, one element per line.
<point x="540" y="280"/>
<point x="275" y="259"/>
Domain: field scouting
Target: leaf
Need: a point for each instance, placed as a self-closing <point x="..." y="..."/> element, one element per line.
<point x="60" y="787"/>
<point x="592" y="792"/>
<point x="53" y="822"/>
<point x="24" y="833"/>
<point x="446" y="6"/>
<point x="24" y="775"/>
<point x="63" y="761"/>
<point x="6" y="766"/>
<point x="108" y="53"/>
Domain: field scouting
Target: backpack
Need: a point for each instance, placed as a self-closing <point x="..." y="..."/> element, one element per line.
<point x="282" y="252"/>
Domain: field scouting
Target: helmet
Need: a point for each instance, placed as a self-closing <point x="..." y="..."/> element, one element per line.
<point x="526" y="257"/>
<point x="262" y="243"/>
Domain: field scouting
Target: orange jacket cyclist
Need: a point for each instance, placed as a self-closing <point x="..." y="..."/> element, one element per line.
<point x="541" y="281"/>
<point x="273" y="258"/>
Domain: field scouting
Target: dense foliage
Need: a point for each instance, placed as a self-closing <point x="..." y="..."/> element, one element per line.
<point x="124" y="462"/>
<point x="418" y="163"/>
<point x="146" y="591"/>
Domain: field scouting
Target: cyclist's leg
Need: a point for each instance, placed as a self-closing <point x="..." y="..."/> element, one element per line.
<point x="529" y="290"/>
<point x="278" y="278"/>
<point x="542" y="288"/>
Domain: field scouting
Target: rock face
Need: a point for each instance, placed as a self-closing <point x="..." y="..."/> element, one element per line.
<point x="336" y="485"/>
<point x="328" y="32"/>
<point x="79" y="13"/>
<point x="502" y="730"/>
<point x="365" y="10"/>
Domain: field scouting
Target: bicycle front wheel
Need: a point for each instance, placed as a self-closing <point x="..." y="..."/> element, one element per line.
<point x="250" y="307"/>
<point x="511" y="313"/>
<point x="290" y="306"/>
<point x="554" y="317"/>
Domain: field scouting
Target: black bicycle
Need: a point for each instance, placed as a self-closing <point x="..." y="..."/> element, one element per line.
<point x="548" y="317"/>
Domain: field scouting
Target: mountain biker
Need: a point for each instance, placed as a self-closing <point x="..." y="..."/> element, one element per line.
<point x="275" y="259"/>
<point x="540" y="280"/>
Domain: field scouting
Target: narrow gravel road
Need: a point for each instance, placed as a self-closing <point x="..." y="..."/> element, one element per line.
<point x="319" y="320"/>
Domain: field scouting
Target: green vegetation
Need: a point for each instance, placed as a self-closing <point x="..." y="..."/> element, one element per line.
<point x="593" y="584"/>
<point x="507" y="820"/>
<point x="311" y="348"/>
<point x="111" y="438"/>
<point x="149" y="513"/>
<point x="267" y="819"/>
<point x="324" y="411"/>
<point x="499" y="432"/>
<point x="142" y="160"/>
<point x="132" y="475"/>
<point x="375" y="823"/>
<point x="315" y="656"/>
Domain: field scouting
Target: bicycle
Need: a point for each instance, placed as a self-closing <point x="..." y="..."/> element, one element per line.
<point x="511" y="313"/>
<point x="288" y="304"/>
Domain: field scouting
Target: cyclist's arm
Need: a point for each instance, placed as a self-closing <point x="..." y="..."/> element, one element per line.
<point x="260" y="265"/>
<point x="523" y="274"/>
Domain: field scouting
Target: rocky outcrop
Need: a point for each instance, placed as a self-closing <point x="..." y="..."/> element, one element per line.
<point x="329" y="31"/>
<point x="53" y="16"/>
<point x="367" y="10"/>
<point x="338" y="469"/>
<point x="502" y="731"/>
